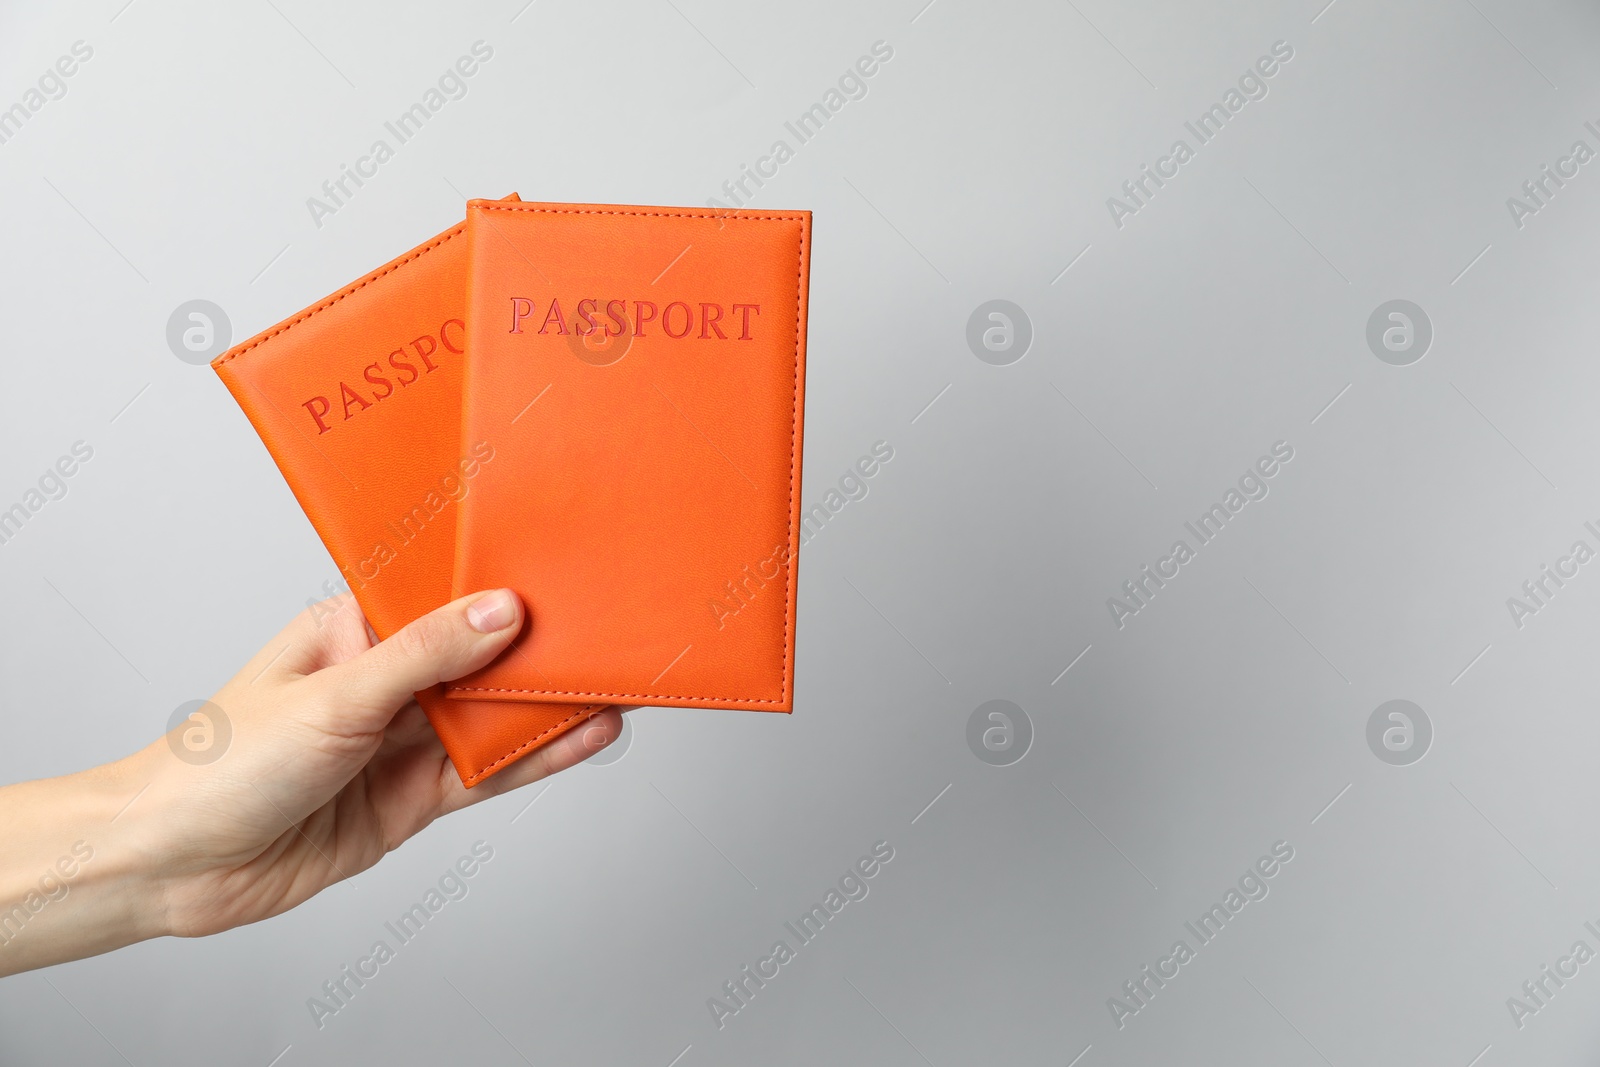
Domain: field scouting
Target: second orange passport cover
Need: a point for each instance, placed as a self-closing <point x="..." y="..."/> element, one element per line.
<point x="640" y="373"/>
<point x="358" y="398"/>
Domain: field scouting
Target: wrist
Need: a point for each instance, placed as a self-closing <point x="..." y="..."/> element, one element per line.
<point x="135" y="857"/>
<point x="78" y="878"/>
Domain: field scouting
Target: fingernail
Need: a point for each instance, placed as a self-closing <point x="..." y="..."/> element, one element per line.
<point x="492" y="612"/>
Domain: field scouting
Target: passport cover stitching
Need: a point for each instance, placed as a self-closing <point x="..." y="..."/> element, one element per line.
<point x="482" y="772"/>
<point x="326" y="304"/>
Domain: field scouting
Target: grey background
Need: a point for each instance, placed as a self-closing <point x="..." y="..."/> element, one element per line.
<point x="1226" y="716"/>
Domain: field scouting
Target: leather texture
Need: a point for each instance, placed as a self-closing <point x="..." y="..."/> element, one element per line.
<point x="358" y="399"/>
<point x="640" y="374"/>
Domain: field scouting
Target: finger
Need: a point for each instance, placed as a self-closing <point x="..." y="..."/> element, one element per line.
<point x="409" y="727"/>
<point x="299" y="648"/>
<point x="445" y="644"/>
<point x="570" y="749"/>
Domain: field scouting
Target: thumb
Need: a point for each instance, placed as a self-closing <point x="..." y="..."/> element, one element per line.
<point x="443" y="645"/>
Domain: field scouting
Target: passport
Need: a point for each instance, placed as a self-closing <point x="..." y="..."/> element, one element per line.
<point x="639" y="373"/>
<point x="358" y="400"/>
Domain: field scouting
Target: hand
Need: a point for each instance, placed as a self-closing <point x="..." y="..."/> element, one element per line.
<point x="331" y="764"/>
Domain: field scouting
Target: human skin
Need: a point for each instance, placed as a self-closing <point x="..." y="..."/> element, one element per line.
<point x="331" y="764"/>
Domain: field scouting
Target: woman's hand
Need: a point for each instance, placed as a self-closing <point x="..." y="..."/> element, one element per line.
<point x="331" y="764"/>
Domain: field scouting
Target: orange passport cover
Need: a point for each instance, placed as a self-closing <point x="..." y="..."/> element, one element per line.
<point x="358" y="398"/>
<point x="640" y="372"/>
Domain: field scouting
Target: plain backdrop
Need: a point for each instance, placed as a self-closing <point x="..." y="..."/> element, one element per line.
<point x="1172" y="347"/>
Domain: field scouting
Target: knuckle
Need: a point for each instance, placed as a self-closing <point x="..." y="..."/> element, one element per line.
<point x="417" y="641"/>
<point x="317" y="616"/>
<point x="318" y="610"/>
<point x="425" y="639"/>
